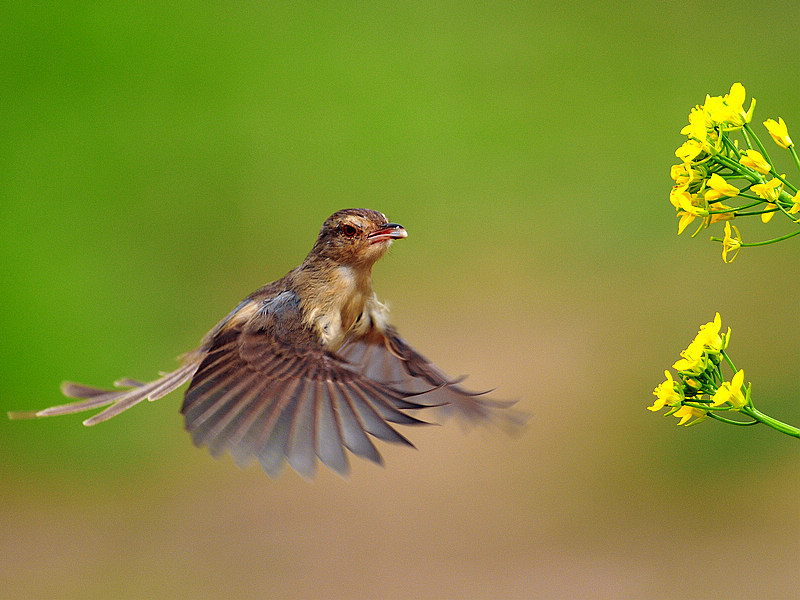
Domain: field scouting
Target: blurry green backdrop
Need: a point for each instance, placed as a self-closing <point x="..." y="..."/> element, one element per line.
<point x="161" y="162"/>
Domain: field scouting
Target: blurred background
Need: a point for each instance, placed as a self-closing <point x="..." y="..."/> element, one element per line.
<point x="161" y="162"/>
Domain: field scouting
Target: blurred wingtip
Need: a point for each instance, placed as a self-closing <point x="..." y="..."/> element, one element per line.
<point x="498" y="414"/>
<point x="513" y="421"/>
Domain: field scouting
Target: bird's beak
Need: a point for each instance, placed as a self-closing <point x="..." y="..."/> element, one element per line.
<point x="389" y="231"/>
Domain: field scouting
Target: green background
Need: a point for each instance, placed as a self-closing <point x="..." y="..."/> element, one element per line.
<point x="158" y="163"/>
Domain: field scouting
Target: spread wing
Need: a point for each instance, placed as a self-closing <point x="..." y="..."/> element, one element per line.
<point x="268" y="388"/>
<point x="386" y="357"/>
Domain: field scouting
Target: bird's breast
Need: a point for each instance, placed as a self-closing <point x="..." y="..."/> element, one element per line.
<point x="341" y="306"/>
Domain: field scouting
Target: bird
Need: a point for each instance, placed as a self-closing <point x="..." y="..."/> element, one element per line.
<point x="306" y="368"/>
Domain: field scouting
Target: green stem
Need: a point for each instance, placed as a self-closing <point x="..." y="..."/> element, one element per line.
<point x="732" y="147"/>
<point x="783" y="209"/>
<point x="747" y="138"/>
<point x="784" y="198"/>
<point x="772" y="241"/>
<point x="731" y="421"/>
<point x="782" y="179"/>
<point x="728" y="360"/>
<point x="735" y="209"/>
<point x="707" y="407"/>
<point x="755" y="212"/>
<point x="747" y="129"/>
<point x="794" y="156"/>
<point x="745" y="172"/>
<point x="752" y="411"/>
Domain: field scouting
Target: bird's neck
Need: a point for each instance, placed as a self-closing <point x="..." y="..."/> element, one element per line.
<point x="337" y="301"/>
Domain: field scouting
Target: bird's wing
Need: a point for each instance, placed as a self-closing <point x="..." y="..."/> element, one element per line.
<point x="384" y="356"/>
<point x="268" y="388"/>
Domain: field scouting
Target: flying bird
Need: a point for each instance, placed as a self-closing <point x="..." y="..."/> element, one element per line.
<point x="304" y="367"/>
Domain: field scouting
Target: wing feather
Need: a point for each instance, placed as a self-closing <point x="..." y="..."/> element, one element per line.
<point x="329" y="443"/>
<point x="369" y="416"/>
<point x="268" y="388"/>
<point x="271" y="445"/>
<point x="387" y="358"/>
<point x="353" y="432"/>
<point x="301" y="446"/>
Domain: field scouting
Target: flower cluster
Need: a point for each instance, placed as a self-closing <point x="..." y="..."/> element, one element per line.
<point x="700" y="391"/>
<point x="699" y="387"/>
<point x="715" y="171"/>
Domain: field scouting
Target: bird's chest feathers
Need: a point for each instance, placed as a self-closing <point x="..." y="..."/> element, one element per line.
<point x="341" y="306"/>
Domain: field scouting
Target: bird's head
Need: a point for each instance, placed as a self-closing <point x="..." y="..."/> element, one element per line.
<point x="356" y="237"/>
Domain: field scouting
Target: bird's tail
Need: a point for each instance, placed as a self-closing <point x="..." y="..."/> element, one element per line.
<point x="120" y="400"/>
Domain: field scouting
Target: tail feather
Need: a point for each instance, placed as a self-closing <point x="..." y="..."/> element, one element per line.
<point x="127" y="382"/>
<point x="78" y="390"/>
<point x="119" y="400"/>
<point x="152" y="391"/>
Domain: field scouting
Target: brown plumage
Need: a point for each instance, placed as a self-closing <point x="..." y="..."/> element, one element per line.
<point x="304" y="367"/>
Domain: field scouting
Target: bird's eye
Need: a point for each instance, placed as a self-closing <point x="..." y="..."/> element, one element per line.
<point x="349" y="230"/>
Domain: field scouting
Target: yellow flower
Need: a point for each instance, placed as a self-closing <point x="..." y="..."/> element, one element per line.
<point x="707" y="341"/>
<point x="688" y="212"/>
<point x="692" y="383"/>
<point x="729" y="109"/>
<point x="701" y="130"/>
<point x="731" y="243"/>
<point x="755" y="160"/>
<point x="779" y="132"/>
<point x="694" y="359"/>
<point x="731" y="393"/>
<point x="679" y="174"/>
<point x="796" y="207"/>
<point x="665" y="394"/>
<point x="709" y="334"/>
<point x="676" y="192"/>
<point x="719" y="188"/>
<point x="686" y="218"/>
<point x="698" y="125"/>
<point x="682" y="174"/>
<point x="735" y="99"/>
<point x="716" y="217"/>
<point x="684" y="413"/>
<point x="770" y="191"/>
<point x="716" y="109"/>
<point x="689" y="150"/>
